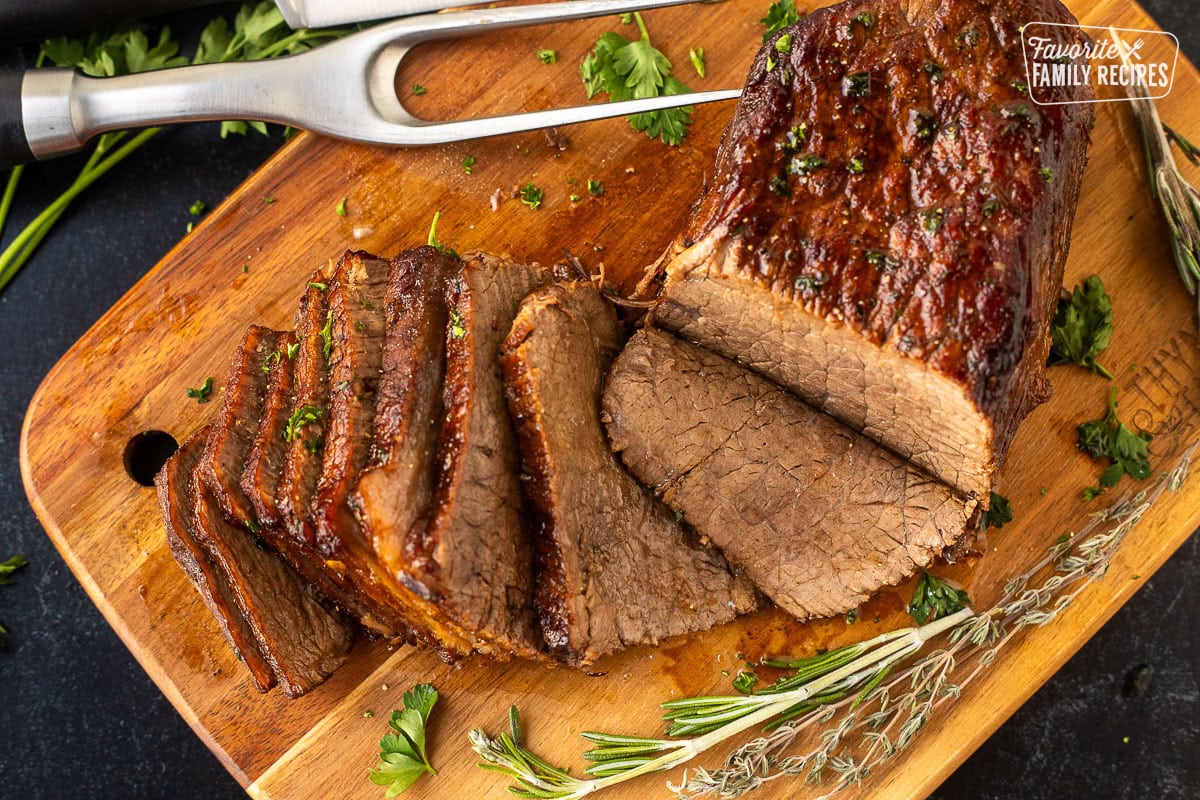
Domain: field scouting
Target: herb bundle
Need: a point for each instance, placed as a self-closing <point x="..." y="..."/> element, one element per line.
<point x="847" y="673"/>
<point x="258" y="32"/>
<point x="635" y="70"/>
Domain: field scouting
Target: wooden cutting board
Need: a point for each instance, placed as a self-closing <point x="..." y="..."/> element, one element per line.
<point x="248" y="261"/>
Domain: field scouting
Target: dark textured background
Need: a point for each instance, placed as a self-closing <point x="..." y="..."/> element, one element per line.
<point x="79" y="718"/>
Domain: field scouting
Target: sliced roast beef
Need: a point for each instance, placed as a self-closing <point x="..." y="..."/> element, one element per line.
<point x="174" y="486"/>
<point x="396" y="488"/>
<point x="818" y="516"/>
<point x="264" y="462"/>
<point x="231" y="436"/>
<point x="304" y="430"/>
<point x="887" y="226"/>
<point x="471" y="554"/>
<point x="301" y="640"/>
<point x="614" y="568"/>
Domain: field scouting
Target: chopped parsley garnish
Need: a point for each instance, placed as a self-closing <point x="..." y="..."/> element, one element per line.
<point x="268" y="200"/>
<point x="933" y="70"/>
<point x="320" y="287"/>
<point x="547" y="56"/>
<point x="458" y="328"/>
<point x="784" y="44"/>
<point x="531" y="196"/>
<point x="934" y="598"/>
<point x="433" y="240"/>
<point x="197" y="208"/>
<point x="1082" y="327"/>
<point x="857" y="166"/>
<point x="696" y="56"/>
<point x="326" y="335"/>
<point x="402" y="756"/>
<point x="341" y="207"/>
<point x="299" y="418"/>
<point x="780" y="14"/>
<point x="1110" y="438"/>
<point x="202" y="394"/>
<point x="633" y="70"/>
<point x="990" y="208"/>
<point x="468" y="164"/>
<point x="595" y="188"/>
<point x="1048" y="174"/>
<point x="292" y="350"/>
<point x="805" y="165"/>
<point x="931" y="220"/>
<point x="744" y="681"/>
<point x="779" y="186"/>
<point x="881" y="260"/>
<point x="857" y="84"/>
<point x="998" y="515"/>
<point x="271" y="358"/>
<point x="418" y="89"/>
<point x="866" y="19"/>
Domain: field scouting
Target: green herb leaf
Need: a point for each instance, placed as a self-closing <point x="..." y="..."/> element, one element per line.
<point x="9" y="567"/>
<point x="934" y="598"/>
<point x="780" y="14"/>
<point x="998" y="515"/>
<point x="458" y="328"/>
<point x="468" y="164"/>
<point x="341" y="207"/>
<point x="1082" y="327"/>
<point x="531" y="196"/>
<point x="202" y="394"/>
<point x="418" y="89"/>
<point x="402" y="757"/>
<point x="547" y="56"/>
<point x="299" y="418"/>
<point x="696" y="56"/>
<point x="433" y="241"/>
<point x="744" y="681"/>
<point x="630" y="70"/>
<point x="1110" y="438"/>
<point x="292" y="350"/>
<point x="197" y="208"/>
<point x="326" y="334"/>
<point x="595" y="188"/>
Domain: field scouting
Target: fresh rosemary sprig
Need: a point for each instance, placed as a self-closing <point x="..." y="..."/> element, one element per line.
<point x="1179" y="201"/>
<point x="856" y="669"/>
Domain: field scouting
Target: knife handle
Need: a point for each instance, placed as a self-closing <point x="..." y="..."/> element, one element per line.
<point x="30" y="20"/>
<point x="14" y="147"/>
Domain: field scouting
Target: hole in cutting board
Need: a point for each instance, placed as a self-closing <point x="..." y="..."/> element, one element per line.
<point x="145" y="454"/>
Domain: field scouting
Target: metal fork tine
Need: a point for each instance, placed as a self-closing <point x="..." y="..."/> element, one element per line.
<point x="441" y="132"/>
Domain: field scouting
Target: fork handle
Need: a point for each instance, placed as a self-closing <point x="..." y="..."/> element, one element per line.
<point x="14" y="147"/>
<point x="29" y="20"/>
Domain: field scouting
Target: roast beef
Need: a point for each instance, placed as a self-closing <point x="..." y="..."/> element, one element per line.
<point x="395" y="489"/>
<point x="817" y="515"/>
<point x="264" y="462"/>
<point x="232" y="433"/>
<point x="614" y="568"/>
<point x="174" y="486"/>
<point x="887" y="225"/>
<point x="471" y="554"/>
<point x="301" y="640"/>
<point x="304" y="431"/>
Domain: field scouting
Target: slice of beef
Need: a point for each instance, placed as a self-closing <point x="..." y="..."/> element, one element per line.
<point x="396" y="488"/>
<point x="231" y="435"/>
<point x="887" y="226"/>
<point x="301" y="640"/>
<point x="173" y="484"/>
<point x="818" y="516"/>
<point x="613" y="566"/>
<point x="471" y="554"/>
<point x="304" y="430"/>
<point x="264" y="462"/>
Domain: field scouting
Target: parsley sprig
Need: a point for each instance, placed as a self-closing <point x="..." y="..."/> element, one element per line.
<point x="998" y="515"/>
<point x="402" y="757"/>
<point x="1109" y="437"/>
<point x="258" y="31"/>
<point x="634" y="70"/>
<point x="7" y="569"/>
<point x="781" y="14"/>
<point x="933" y="598"/>
<point x="1082" y="327"/>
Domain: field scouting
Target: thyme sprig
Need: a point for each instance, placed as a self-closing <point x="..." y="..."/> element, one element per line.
<point x="855" y="735"/>
<point x="1178" y="199"/>
<point x="839" y="675"/>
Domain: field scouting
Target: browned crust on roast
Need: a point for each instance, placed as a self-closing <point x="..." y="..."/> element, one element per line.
<point x="471" y="554"/>
<point x="173" y="485"/>
<point x="817" y="515"/>
<point x="232" y="433"/>
<point x="264" y="462"/>
<point x="945" y="251"/>
<point x="395" y="490"/>
<point x="302" y="455"/>
<point x="613" y="567"/>
<point x="302" y="641"/>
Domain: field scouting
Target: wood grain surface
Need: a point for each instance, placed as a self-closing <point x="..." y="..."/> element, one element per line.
<point x="248" y="260"/>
